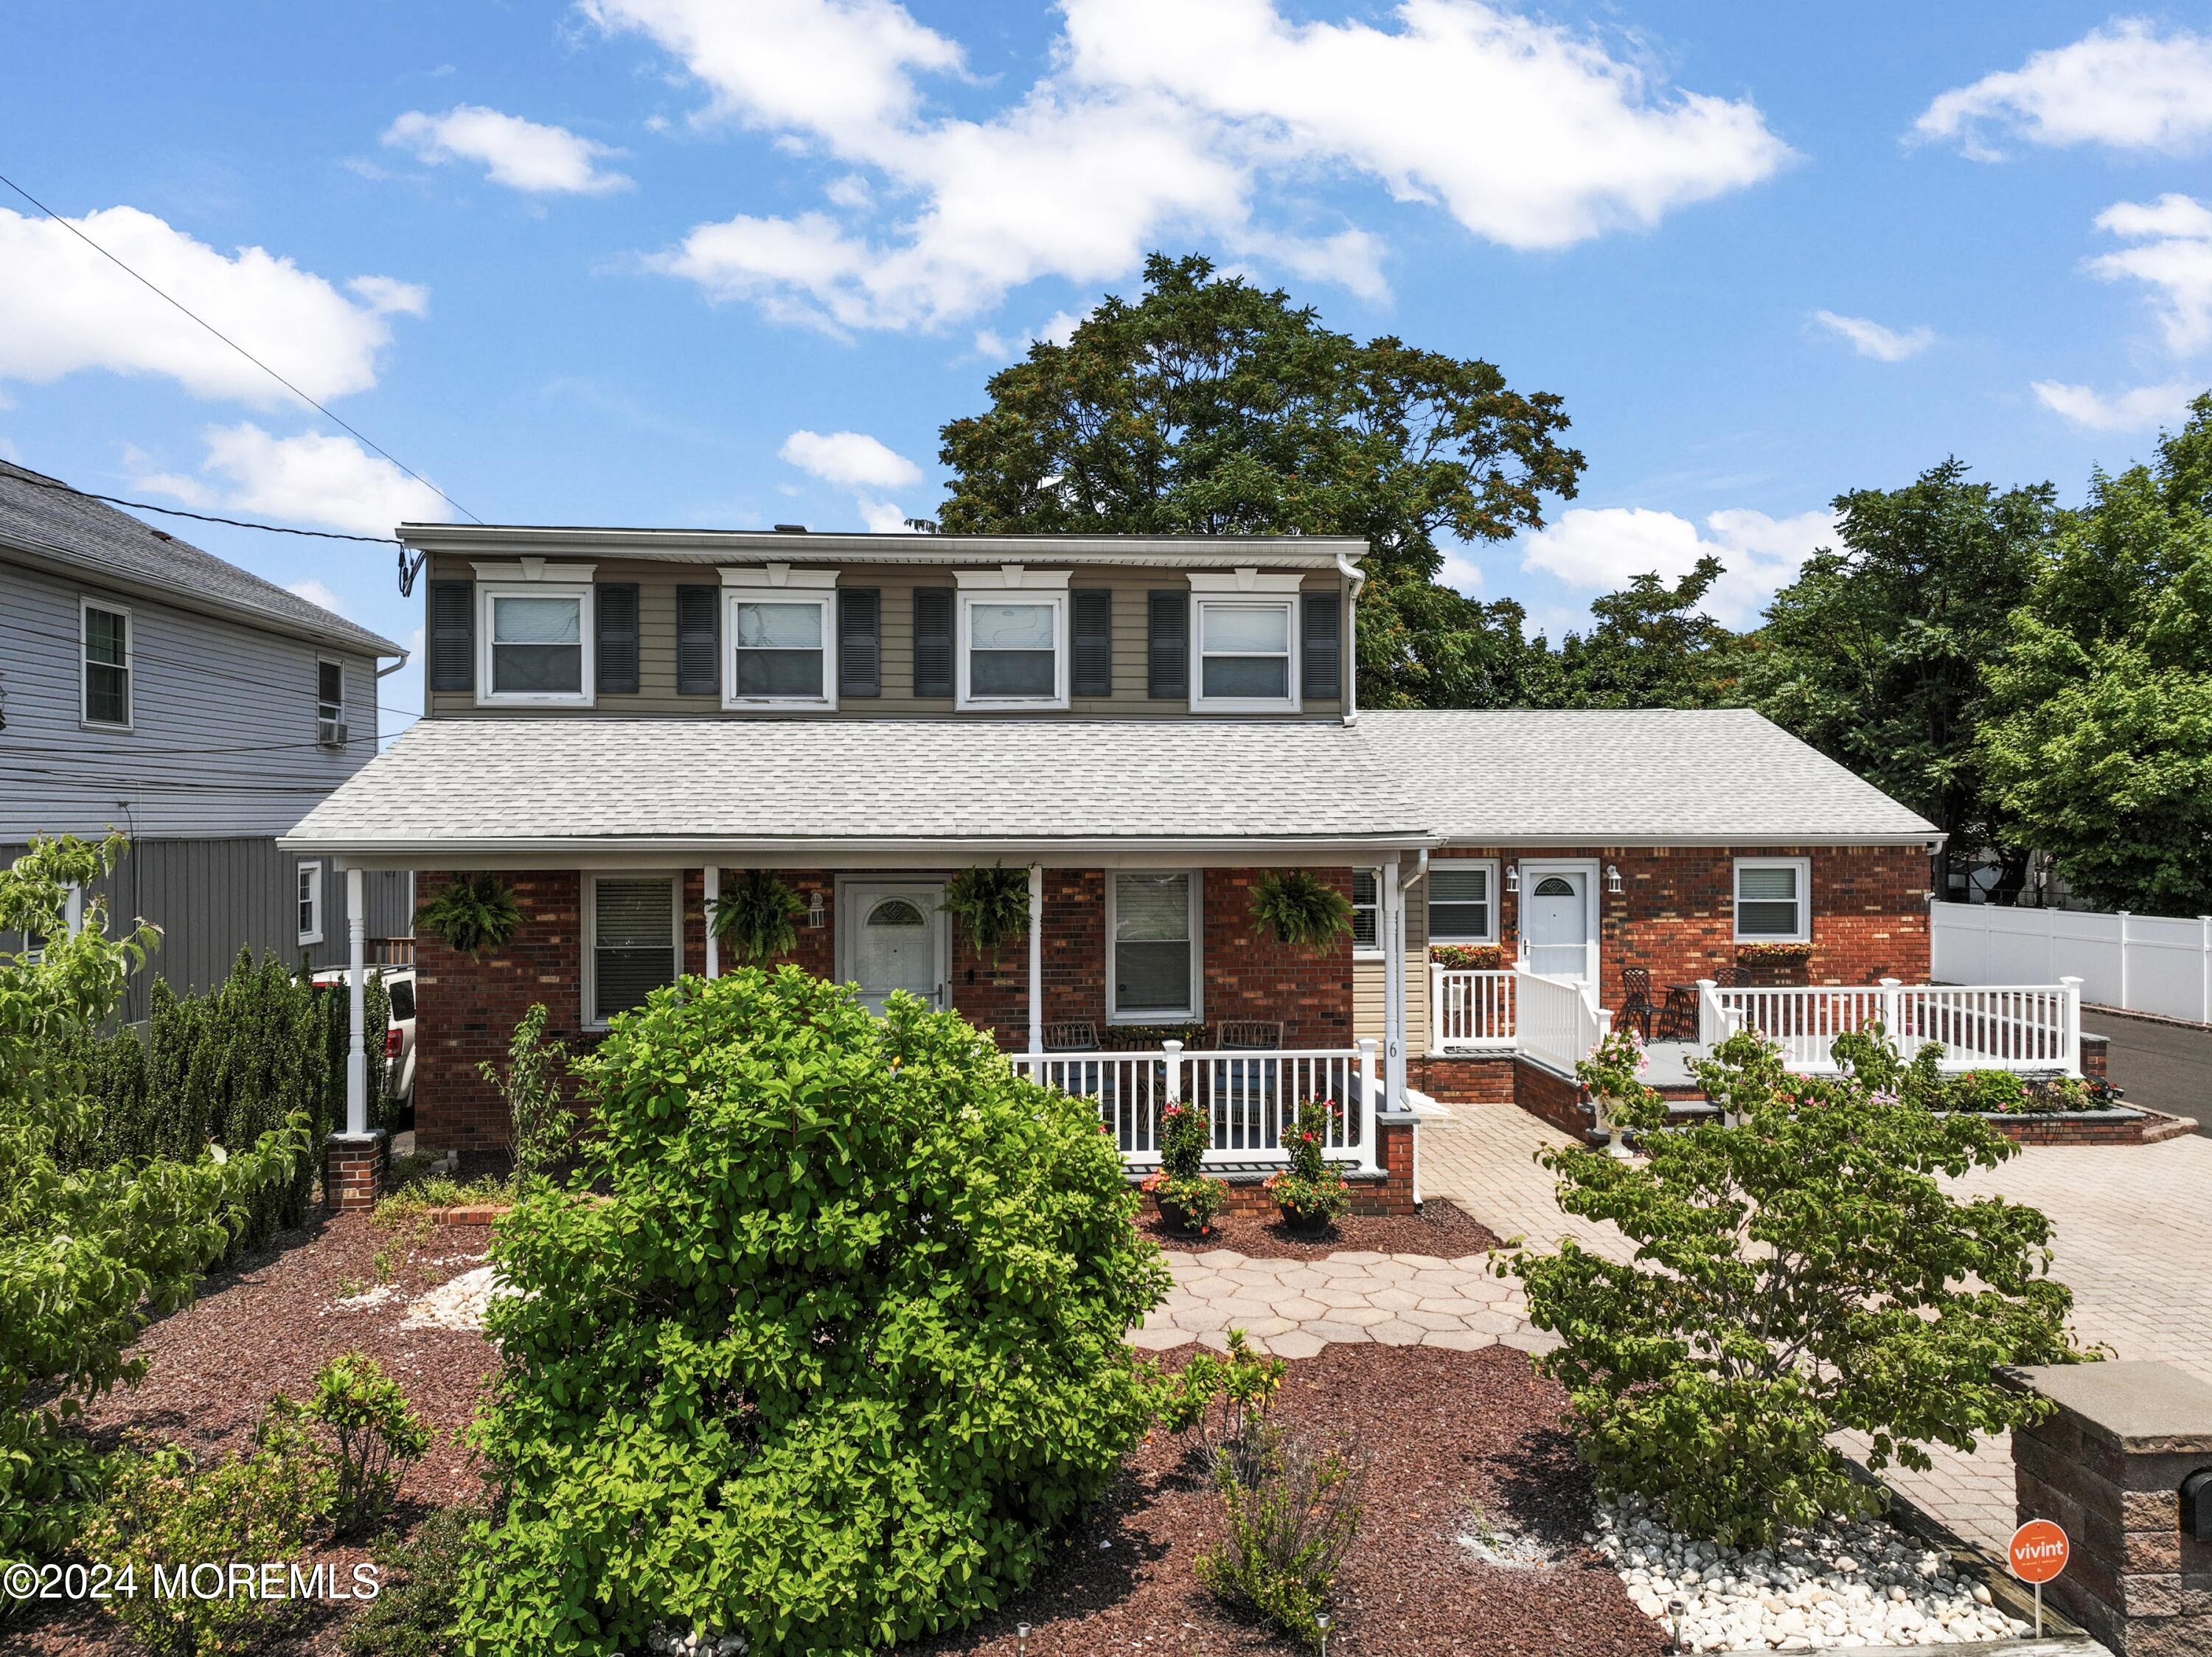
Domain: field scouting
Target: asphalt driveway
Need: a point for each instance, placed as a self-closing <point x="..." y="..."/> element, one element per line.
<point x="2163" y="1067"/>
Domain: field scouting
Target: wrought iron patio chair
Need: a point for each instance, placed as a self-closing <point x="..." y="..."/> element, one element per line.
<point x="1637" y="1007"/>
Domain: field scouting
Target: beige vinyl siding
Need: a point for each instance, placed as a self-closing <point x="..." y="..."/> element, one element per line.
<point x="656" y="694"/>
<point x="1367" y="1000"/>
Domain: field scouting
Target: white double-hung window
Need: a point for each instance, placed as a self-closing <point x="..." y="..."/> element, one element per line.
<point x="1774" y="900"/>
<point x="106" y="665"/>
<point x="633" y="930"/>
<point x="1462" y="905"/>
<point x="782" y="633"/>
<point x="1152" y="921"/>
<point x="311" y="903"/>
<point x="534" y="634"/>
<point x="1013" y="637"/>
<point x="1246" y="629"/>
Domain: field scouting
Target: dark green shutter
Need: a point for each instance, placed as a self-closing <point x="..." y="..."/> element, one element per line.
<point x="1092" y="630"/>
<point x="1322" y="647"/>
<point x="860" y="640"/>
<point x="452" y="635"/>
<point x="698" y="641"/>
<point x="614" y="648"/>
<point x="933" y="640"/>
<point x="1169" y="650"/>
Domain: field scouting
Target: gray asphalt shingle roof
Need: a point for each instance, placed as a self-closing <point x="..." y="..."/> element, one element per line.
<point x="1607" y="775"/>
<point x="41" y="519"/>
<point x="852" y="780"/>
<point x="1603" y="778"/>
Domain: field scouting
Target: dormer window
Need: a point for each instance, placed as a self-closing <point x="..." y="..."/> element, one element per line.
<point x="1246" y="626"/>
<point x="535" y="634"/>
<point x="1013" y="639"/>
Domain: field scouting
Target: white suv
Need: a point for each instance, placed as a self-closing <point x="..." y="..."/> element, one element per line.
<point x="398" y="1034"/>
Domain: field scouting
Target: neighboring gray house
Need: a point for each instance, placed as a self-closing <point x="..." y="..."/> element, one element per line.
<point x="151" y="687"/>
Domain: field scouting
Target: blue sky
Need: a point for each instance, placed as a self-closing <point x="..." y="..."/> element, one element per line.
<point x="732" y="262"/>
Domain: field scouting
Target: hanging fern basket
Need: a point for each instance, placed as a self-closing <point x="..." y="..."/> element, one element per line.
<point x="1293" y="907"/>
<point x="471" y="913"/>
<point x="991" y="904"/>
<point x="757" y="917"/>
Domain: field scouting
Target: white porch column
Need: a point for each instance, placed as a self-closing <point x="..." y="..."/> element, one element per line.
<point x="711" y="883"/>
<point x="1036" y="958"/>
<point x="1392" y="895"/>
<point x="357" y="994"/>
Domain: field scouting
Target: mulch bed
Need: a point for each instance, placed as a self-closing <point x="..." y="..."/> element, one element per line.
<point x="266" y="1325"/>
<point x="1440" y="1228"/>
<point x="1443" y="1432"/>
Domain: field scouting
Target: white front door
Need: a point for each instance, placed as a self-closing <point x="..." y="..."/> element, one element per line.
<point x="895" y="939"/>
<point x="1555" y="923"/>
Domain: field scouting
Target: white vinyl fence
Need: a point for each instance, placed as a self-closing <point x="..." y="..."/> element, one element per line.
<point x="2133" y="963"/>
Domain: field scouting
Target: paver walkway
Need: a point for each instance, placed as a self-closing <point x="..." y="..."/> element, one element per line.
<point x="2128" y="1242"/>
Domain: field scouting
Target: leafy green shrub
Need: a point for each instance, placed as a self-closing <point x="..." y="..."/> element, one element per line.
<point x="1293" y="906"/>
<point x="1244" y="1382"/>
<point x="991" y="904"/>
<point x="416" y="1611"/>
<point x="1798" y="1274"/>
<point x="837" y="1349"/>
<point x="376" y="1435"/>
<point x="88" y="1252"/>
<point x="756" y="919"/>
<point x="1188" y="1196"/>
<point x="471" y="913"/>
<point x="1291" y="1512"/>
<point x="165" y="1512"/>
<point x="1309" y="1192"/>
<point x="541" y="1128"/>
<point x="1997" y="1092"/>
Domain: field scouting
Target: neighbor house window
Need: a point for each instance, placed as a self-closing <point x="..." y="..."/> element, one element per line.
<point x="1153" y="973"/>
<point x="1013" y="650"/>
<point x="106" y="640"/>
<point x="783" y="649"/>
<point x="1773" y="903"/>
<point x="1366" y="910"/>
<point x="630" y="940"/>
<point x="311" y="903"/>
<point x="330" y="703"/>
<point x="1463" y="902"/>
<point x="536" y="644"/>
<point x="1247" y="655"/>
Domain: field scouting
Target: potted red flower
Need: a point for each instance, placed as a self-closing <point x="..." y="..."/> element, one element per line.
<point x="1309" y="1194"/>
<point x="1187" y="1198"/>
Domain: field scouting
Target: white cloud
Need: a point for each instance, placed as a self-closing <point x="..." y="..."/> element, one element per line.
<point x="880" y="517"/>
<point x="1602" y="549"/>
<point x="1873" y="339"/>
<point x="64" y="308"/>
<point x="315" y="593"/>
<point x="1057" y="329"/>
<point x="310" y="479"/>
<point x="1159" y="121"/>
<point x="2128" y="411"/>
<point x="2124" y="84"/>
<point x="2173" y="256"/>
<point x="852" y="458"/>
<point x="519" y="154"/>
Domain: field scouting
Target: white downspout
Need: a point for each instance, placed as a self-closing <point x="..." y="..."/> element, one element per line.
<point x="1352" y="573"/>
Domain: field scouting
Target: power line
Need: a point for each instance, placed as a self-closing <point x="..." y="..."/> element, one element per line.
<point x="235" y="346"/>
<point x="57" y="485"/>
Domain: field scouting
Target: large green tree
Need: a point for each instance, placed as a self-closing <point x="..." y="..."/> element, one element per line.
<point x="1875" y="654"/>
<point x="1211" y="406"/>
<point x="1652" y="646"/>
<point x="2102" y="748"/>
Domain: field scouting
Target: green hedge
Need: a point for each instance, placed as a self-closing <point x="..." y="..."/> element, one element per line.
<point x="224" y="1067"/>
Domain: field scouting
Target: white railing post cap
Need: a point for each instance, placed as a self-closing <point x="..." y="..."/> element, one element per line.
<point x="1171" y="1047"/>
<point x="1891" y="983"/>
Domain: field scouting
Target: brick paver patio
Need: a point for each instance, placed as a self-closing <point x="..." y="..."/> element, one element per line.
<point x="2128" y="1231"/>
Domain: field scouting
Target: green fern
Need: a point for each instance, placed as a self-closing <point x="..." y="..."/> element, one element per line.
<point x="756" y="919"/>
<point x="991" y="904"/>
<point x="1297" y="909"/>
<point x="471" y="913"/>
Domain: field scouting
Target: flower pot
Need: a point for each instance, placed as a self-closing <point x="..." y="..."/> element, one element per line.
<point x="1303" y="1220"/>
<point x="1178" y="1218"/>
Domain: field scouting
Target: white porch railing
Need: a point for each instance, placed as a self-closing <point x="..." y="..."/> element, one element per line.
<point x="1471" y="1011"/>
<point x="1554" y="1021"/>
<point x="1248" y="1097"/>
<point x="2024" y="1027"/>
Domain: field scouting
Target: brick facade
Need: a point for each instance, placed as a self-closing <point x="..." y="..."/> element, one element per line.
<point x="1674" y="914"/>
<point x="468" y="1007"/>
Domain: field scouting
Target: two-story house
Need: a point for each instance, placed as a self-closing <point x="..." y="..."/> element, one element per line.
<point x="148" y="687"/>
<point x="618" y="721"/>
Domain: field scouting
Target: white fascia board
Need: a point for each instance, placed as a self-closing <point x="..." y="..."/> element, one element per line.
<point x="1605" y="839"/>
<point x="720" y="546"/>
